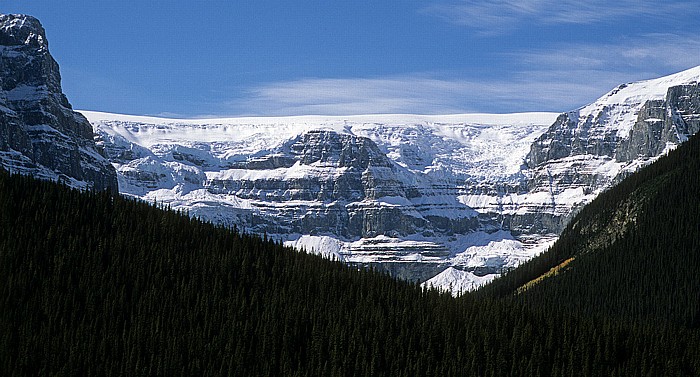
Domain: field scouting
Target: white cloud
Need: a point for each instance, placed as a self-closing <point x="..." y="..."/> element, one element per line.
<point x="502" y="16"/>
<point x="656" y="53"/>
<point x="557" y="79"/>
<point x="414" y="94"/>
<point x="354" y="95"/>
<point x="601" y="67"/>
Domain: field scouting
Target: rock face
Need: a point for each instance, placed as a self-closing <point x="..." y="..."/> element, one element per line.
<point x="376" y="190"/>
<point x="453" y="200"/>
<point x="661" y="123"/>
<point x="364" y="193"/>
<point x="592" y="148"/>
<point x="40" y="134"/>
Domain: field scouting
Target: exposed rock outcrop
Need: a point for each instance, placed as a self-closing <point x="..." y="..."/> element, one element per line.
<point x="662" y="123"/>
<point x="592" y="148"/>
<point x="40" y="134"/>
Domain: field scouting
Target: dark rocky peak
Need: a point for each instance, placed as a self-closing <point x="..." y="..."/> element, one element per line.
<point x="21" y="30"/>
<point x="29" y="74"/>
<point x="40" y="134"/>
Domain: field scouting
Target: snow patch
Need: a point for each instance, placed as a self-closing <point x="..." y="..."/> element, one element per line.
<point x="457" y="281"/>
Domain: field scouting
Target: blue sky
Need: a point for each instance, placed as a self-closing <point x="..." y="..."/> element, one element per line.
<point x="228" y="58"/>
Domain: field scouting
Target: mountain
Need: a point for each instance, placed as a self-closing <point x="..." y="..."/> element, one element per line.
<point x="383" y="190"/>
<point x="455" y="199"/>
<point x="450" y="200"/>
<point x="40" y="134"/>
<point x="587" y="150"/>
<point x="632" y="253"/>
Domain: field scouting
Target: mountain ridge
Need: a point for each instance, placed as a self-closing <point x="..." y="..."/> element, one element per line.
<point x="514" y="179"/>
<point x="254" y="162"/>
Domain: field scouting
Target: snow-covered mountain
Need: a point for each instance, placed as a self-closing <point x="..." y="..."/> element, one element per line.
<point x="40" y="134"/>
<point x="448" y="199"/>
<point x="365" y="189"/>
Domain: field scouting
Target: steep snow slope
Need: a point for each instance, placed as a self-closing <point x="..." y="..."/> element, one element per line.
<point x="619" y="108"/>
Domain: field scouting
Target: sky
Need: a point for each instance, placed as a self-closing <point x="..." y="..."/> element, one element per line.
<point x="279" y="57"/>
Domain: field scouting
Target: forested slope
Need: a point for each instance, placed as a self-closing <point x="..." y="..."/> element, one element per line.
<point x="92" y="283"/>
<point x="632" y="254"/>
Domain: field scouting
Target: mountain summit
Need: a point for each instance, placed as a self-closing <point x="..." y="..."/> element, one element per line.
<point x="40" y="134"/>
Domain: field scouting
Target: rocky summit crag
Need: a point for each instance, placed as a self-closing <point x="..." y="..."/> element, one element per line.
<point x="40" y="134"/>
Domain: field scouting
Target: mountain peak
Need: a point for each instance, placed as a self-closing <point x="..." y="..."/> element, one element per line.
<point x="638" y="92"/>
<point x="20" y="29"/>
<point x="40" y="134"/>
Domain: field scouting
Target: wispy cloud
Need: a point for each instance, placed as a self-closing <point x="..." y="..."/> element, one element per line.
<point x="415" y="94"/>
<point x="655" y="53"/>
<point x="560" y="78"/>
<point x="502" y="16"/>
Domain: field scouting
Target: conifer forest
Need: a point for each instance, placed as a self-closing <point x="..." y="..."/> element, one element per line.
<point x="93" y="283"/>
